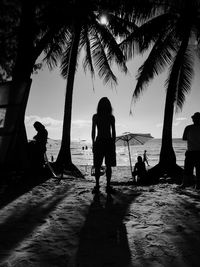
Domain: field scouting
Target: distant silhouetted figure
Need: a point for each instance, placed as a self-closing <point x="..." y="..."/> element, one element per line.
<point x="103" y="141"/>
<point x="145" y="158"/>
<point x="192" y="156"/>
<point x="139" y="171"/>
<point x="37" y="147"/>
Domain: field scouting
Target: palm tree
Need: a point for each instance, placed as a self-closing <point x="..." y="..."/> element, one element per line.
<point x="172" y="35"/>
<point x="31" y="31"/>
<point x="101" y="50"/>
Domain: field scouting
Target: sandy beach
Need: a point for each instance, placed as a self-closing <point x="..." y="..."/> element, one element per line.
<point x="61" y="223"/>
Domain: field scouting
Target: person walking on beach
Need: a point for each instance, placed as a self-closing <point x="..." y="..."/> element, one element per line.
<point x="103" y="141"/>
<point x="145" y="158"/>
<point x="192" y="156"/>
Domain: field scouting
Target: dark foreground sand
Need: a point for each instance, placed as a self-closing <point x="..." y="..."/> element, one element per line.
<point x="63" y="224"/>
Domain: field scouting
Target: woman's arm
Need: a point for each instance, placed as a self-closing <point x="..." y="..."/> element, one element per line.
<point x="93" y="129"/>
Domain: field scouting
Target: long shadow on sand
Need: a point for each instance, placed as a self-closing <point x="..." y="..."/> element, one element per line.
<point x="22" y="222"/>
<point x="11" y="189"/>
<point x="103" y="239"/>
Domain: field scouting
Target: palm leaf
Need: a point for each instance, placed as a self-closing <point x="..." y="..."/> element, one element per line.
<point x="85" y="41"/>
<point x="185" y="79"/>
<point x="177" y="78"/>
<point x="114" y="53"/>
<point x="142" y="10"/>
<point x="54" y="50"/>
<point x="160" y="55"/>
<point x="120" y="26"/>
<point x="145" y="35"/>
<point x="100" y="59"/>
<point x="180" y="76"/>
<point x="66" y="58"/>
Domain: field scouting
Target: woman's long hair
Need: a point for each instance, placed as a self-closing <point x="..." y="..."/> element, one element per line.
<point x="38" y="126"/>
<point x="104" y="107"/>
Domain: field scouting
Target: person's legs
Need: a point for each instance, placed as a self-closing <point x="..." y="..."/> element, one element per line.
<point x="97" y="176"/>
<point x="108" y="175"/>
<point x="109" y="188"/>
<point x="98" y="159"/>
<point x="188" y="169"/>
<point x="134" y="176"/>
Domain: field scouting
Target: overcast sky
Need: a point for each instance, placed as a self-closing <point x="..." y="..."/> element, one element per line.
<point x="46" y="103"/>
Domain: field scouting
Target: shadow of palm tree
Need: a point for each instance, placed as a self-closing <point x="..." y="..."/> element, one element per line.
<point x="17" y="186"/>
<point x="21" y="223"/>
<point x="103" y="239"/>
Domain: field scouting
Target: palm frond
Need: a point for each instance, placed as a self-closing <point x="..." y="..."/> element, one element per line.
<point x="160" y="55"/>
<point x="142" y="10"/>
<point x="65" y="58"/>
<point x="144" y="36"/>
<point x="100" y="59"/>
<point x="113" y="51"/>
<point x="54" y="51"/>
<point x="180" y="74"/>
<point x="85" y="41"/>
<point x="185" y="79"/>
<point x="119" y="26"/>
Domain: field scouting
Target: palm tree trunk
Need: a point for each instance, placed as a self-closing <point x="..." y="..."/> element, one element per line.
<point x="16" y="158"/>
<point x="64" y="160"/>
<point x="167" y="155"/>
<point x="167" y="162"/>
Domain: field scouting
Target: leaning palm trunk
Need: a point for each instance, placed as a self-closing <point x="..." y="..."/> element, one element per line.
<point x="64" y="160"/>
<point x="26" y="56"/>
<point x="16" y="158"/>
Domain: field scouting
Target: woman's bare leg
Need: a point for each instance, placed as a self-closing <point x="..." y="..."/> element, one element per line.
<point x="97" y="176"/>
<point x="108" y="175"/>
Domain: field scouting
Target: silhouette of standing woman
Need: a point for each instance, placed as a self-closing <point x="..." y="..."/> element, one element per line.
<point x="103" y="141"/>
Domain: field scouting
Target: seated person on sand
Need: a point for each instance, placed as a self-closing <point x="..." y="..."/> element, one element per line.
<point x="139" y="171"/>
<point x="37" y="147"/>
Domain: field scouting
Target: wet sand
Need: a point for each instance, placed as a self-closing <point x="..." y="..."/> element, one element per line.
<point x="64" y="224"/>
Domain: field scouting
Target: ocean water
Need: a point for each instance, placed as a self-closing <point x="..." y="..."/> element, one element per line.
<point x="82" y="152"/>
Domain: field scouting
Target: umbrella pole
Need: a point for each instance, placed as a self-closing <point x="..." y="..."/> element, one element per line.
<point x="129" y="157"/>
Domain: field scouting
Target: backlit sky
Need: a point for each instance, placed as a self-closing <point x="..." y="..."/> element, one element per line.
<point x="46" y="103"/>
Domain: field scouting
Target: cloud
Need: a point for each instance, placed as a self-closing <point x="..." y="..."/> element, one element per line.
<point x="52" y="123"/>
<point x="54" y="127"/>
<point x="81" y="123"/>
<point x="176" y="123"/>
<point x="181" y="119"/>
<point x="47" y="121"/>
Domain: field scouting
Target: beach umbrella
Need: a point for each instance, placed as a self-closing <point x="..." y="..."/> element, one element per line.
<point x="132" y="139"/>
